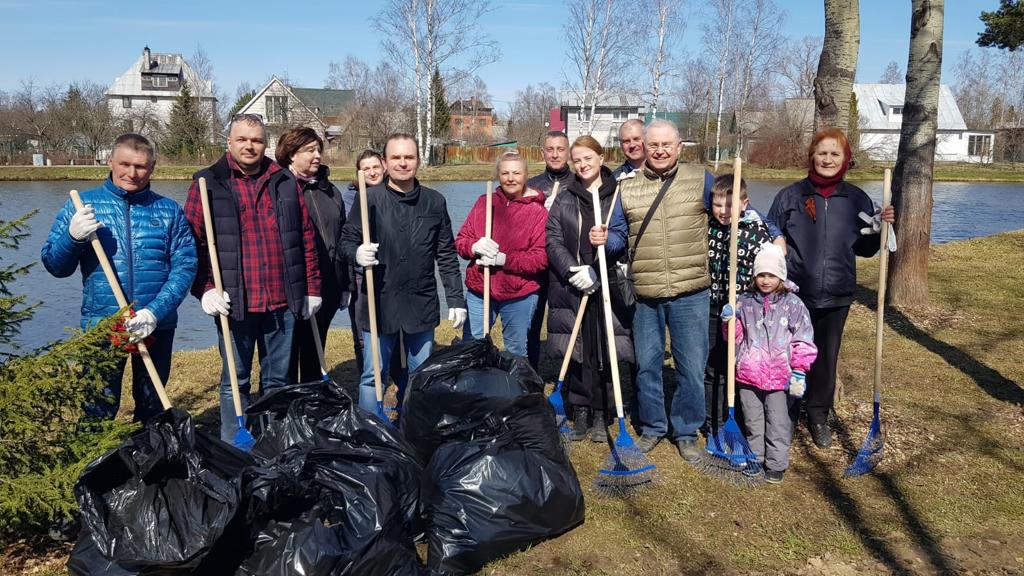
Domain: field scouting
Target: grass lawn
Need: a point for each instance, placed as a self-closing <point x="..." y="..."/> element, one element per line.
<point x="947" y="498"/>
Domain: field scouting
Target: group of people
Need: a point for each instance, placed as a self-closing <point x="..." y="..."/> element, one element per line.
<point x="291" y="247"/>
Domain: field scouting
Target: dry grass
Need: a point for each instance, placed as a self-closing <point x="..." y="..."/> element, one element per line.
<point x="947" y="498"/>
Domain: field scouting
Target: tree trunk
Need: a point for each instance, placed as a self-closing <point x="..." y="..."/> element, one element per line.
<point x="721" y="83"/>
<point x="837" y="65"/>
<point x="912" y="178"/>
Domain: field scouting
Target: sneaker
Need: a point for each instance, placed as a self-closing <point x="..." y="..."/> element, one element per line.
<point x="820" y="434"/>
<point x="773" y="476"/>
<point x="647" y="443"/>
<point x="752" y="470"/>
<point x="689" y="450"/>
<point x="580" y="423"/>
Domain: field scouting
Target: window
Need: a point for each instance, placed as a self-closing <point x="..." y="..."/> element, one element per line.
<point x="152" y="99"/>
<point x="979" y="145"/>
<point x="159" y="81"/>
<point x="277" y="109"/>
<point x="482" y="122"/>
<point x="126" y="101"/>
<point x="620" y="115"/>
<point x="897" y="110"/>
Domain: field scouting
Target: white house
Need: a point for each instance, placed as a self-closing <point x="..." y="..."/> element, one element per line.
<point x="141" y="99"/>
<point x="612" y="109"/>
<point x="880" y="107"/>
<point x="283" y="107"/>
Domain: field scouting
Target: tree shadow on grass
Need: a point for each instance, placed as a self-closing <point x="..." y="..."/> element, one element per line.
<point x="845" y="505"/>
<point x="988" y="379"/>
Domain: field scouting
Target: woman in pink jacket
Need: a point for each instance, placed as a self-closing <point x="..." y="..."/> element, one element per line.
<point x="775" y="350"/>
<point x="515" y="252"/>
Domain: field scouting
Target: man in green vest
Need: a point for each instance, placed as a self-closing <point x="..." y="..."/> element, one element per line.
<point x="669" y="253"/>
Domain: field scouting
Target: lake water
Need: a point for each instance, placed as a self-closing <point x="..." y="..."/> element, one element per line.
<point x="961" y="210"/>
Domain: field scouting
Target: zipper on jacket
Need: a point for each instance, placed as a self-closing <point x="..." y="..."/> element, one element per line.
<point x="128" y="248"/>
<point x="824" y="251"/>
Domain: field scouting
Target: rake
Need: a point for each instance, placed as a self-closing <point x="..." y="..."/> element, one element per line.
<point x="488" y="219"/>
<point x="555" y="399"/>
<point x="731" y="457"/>
<point x="243" y="439"/>
<point x="324" y="376"/>
<point x="371" y="301"/>
<point x="122" y="302"/>
<point x="871" y="451"/>
<point x="627" y="468"/>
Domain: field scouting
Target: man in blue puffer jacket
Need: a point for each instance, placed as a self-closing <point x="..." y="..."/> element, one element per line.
<point x="150" y="245"/>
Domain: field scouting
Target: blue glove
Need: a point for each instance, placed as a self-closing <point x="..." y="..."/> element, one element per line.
<point x="727" y="313"/>
<point x="797" y="384"/>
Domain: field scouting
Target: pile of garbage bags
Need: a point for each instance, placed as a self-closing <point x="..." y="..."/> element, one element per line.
<point x="477" y="469"/>
<point x="497" y="477"/>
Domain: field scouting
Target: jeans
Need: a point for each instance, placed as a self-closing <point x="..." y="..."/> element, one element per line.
<point x="516" y="317"/>
<point x="147" y="403"/>
<point x="418" y="346"/>
<point x="271" y="333"/>
<point x="686" y="316"/>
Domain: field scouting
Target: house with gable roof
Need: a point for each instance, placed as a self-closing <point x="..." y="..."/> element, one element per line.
<point x="141" y="99"/>
<point x="283" y="107"/>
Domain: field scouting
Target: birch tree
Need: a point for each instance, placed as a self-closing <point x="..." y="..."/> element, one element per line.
<point x="718" y="40"/>
<point x="912" y="177"/>
<point x="598" y="41"/>
<point x="668" y="29"/>
<point x="837" y="65"/>
<point x="760" y="46"/>
<point x="800" y="66"/>
<point x="435" y="34"/>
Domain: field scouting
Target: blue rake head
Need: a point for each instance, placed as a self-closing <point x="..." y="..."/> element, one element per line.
<point x="627" y="468"/>
<point x="243" y="440"/>
<point x="871" y="451"/>
<point x="555" y="399"/>
<point x="731" y="446"/>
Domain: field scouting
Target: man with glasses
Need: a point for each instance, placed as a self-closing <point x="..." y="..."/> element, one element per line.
<point x="267" y="252"/>
<point x="668" y="229"/>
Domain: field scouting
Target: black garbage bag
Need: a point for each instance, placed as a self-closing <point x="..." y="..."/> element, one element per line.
<point x="507" y="488"/>
<point x="86" y="560"/>
<point x="161" y="501"/>
<point x="460" y="387"/>
<point x="339" y="491"/>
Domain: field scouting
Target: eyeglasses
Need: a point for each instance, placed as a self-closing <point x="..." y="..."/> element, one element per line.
<point x="660" y="147"/>
<point x="252" y="118"/>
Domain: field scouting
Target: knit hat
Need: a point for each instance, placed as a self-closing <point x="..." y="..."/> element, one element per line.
<point x="772" y="260"/>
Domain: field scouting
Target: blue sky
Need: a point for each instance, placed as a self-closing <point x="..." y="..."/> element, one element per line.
<point x="57" y="41"/>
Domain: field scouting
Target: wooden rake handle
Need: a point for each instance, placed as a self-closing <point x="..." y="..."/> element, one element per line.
<point x="115" y="286"/>
<point x="883" y="269"/>
<point x="609" y="323"/>
<point x="734" y="232"/>
<point x="371" y="296"/>
<point x="488" y="219"/>
<point x="218" y="284"/>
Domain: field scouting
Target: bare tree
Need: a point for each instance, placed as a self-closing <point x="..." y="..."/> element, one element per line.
<point x="92" y="121"/>
<point x="659" y="51"/>
<point x="202" y="66"/>
<point x="912" y="177"/>
<point x="760" y="43"/>
<point x="598" y="49"/>
<point x="892" y="74"/>
<point x="800" y="66"/>
<point x="718" y="40"/>
<point x="528" y="115"/>
<point x="429" y="34"/>
<point x="837" y="66"/>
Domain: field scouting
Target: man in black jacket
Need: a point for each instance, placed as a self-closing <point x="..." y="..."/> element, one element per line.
<point x="410" y="231"/>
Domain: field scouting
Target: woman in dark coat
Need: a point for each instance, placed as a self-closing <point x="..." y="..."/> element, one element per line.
<point x="299" y="150"/>
<point x="571" y="240"/>
<point x="827" y="223"/>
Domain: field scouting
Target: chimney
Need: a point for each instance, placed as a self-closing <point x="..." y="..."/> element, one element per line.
<point x="147" y="60"/>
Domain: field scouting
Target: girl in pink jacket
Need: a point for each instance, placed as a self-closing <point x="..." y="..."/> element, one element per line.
<point x="775" y="349"/>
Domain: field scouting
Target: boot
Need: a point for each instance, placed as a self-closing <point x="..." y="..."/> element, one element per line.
<point x="580" y="423"/>
<point x="599" y="431"/>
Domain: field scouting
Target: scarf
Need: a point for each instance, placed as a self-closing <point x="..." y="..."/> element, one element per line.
<point x="826" y="186"/>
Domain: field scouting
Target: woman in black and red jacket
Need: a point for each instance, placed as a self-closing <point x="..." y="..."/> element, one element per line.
<point x="820" y="217"/>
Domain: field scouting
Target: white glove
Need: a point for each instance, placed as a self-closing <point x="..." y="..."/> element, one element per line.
<point x="583" y="279"/>
<point x="485" y="247"/>
<point x="457" y="316"/>
<point x="141" y="325"/>
<point x="214" y="303"/>
<point x="310" y="306"/>
<point x="83" y="223"/>
<point x="874" y="226"/>
<point x="549" y="202"/>
<point x="498" y="260"/>
<point x="366" y="254"/>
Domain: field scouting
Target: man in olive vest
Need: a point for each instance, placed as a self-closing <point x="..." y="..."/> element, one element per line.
<point x="670" y="275"/>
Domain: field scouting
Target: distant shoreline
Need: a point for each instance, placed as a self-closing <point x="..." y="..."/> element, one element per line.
<point x="481" y="172"/>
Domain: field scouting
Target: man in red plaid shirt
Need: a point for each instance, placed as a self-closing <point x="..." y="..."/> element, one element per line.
<point x="266" y="248"/>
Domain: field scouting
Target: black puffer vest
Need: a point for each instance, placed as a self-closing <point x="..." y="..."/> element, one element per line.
<point x="227" y="230"/>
